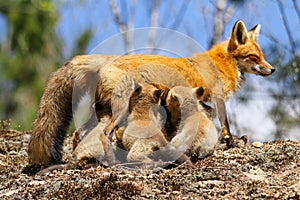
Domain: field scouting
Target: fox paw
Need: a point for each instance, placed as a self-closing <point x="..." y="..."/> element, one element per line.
<point x="234" y="141"/>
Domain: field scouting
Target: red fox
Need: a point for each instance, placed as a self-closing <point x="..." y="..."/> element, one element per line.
<point x="140" y="130"/>
<point x="195" y="135"/>
<point x="220" y="70"/>
<point x="94" y="145"/>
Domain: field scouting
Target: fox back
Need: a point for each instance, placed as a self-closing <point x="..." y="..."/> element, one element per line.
<point x="220" y="70"/>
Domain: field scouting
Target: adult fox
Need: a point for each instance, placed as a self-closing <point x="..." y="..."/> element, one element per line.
<point x="220" y="70"/>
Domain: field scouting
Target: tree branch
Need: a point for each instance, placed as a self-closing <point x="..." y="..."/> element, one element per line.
<point x="222" y="16"/>
<point x="297" y="8"/>
<point x="117" y="17"/>
<point x="153" y="23"/>
<point x="119" y="22"/>
<point x="287" y="28"/>
<point x="180" y="14"/>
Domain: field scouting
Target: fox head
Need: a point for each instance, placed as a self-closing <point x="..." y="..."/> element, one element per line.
<point x="245" y="49"/>
<point x="184" y="99"/>
<point x="146" y="94"/>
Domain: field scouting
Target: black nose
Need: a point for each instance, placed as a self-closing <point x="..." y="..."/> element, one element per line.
<point x="272" y="70"/>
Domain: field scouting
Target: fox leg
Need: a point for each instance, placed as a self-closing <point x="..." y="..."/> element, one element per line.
<point x="110" y="156"/>
<point x="239" y="141"/>
<point x="231" y="141"/>
<point x="140" y="152"/>
<point x="222" y="115"/>
<point x="75" y="139"/>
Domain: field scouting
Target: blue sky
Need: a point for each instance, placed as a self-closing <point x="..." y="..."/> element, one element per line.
<point x="91" y="13"/>
<point x="76" y="16"/>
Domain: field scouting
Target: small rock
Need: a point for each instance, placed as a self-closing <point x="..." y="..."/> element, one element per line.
<point x="34" y="183"/>
<point x="257" y="144"/>
<point x="12" y="153"/>
<point x="26" y="137"/>
<point x="9" y="193"/>
<point x="23" y="153"/>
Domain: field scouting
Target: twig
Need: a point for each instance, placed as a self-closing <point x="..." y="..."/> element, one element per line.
<point x="176" y="23"/>
<point x="147" y="165"/>
<point x="117" y="17"/>
<point x="222" y="16"/>
<point x="297" y="8"/>
<point x="122" y="26"/>
<point x="287" y="28"/>
<point x="153" y="23"/>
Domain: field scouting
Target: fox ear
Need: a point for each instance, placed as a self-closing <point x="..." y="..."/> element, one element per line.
<point x="157" y="94"/>
<point x="136" y="89"/>
<point x="239" y="35"/>
<point x="120" y="103"/>
<point x="173" y="98"/>
<point x="162" y="90"/>
<point x="199" y="91"/>
<point x="254" y="32"/>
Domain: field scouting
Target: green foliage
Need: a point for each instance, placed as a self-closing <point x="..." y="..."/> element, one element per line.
<point x="290" y="74"/>
<point x="28" y="55"/>
<point x="283" y="118"/>
<point x="82" y="42"/>
<point x="286" y="110"/>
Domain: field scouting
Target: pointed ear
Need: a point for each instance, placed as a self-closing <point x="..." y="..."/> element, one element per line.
<point x="137" y="88"/>
<point x="199" y="91"/>
<point x="131" y="100"/>
<point x="239" y="35"/>
<point x="120" y="103"/>
<point x="157" y="94"/>
<point x="164" y="90"/>
<point x="254" y="32"/>
<point x="173" y="98"/>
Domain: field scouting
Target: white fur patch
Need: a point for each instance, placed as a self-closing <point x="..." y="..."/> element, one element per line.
<point x="239" y="79"/>
<point x="211" y="139"/>
<point x="256" y="67"/>
<point x="82" y="113"/>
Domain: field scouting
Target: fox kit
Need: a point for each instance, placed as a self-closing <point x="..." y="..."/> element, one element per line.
<point x="94" y="145"/>
<point x="220" y="70"/>
<point x="138" y="120"/>
<point x="196" y="134"/>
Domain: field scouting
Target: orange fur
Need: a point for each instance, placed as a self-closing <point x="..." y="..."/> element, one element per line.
<point x="220" y="70"/>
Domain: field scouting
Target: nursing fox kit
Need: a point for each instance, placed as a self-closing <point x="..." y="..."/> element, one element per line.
<point x="220" y="71"/>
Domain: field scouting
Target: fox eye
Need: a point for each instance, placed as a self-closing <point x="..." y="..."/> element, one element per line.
<point x="253" y="57"/>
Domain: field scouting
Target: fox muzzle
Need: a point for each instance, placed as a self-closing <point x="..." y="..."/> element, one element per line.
<point x="263" y="71"/>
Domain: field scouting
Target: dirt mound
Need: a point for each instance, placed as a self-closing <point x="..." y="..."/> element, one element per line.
<point x="267" y="172"/>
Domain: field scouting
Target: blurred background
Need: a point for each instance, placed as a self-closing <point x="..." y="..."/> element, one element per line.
<point x="38" y="36"/>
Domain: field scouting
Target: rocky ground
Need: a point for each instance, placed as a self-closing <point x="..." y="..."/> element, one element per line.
<point x="270" y="171"/>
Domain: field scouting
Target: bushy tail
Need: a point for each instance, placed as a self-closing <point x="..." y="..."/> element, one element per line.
<point x="55" y="110"/>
